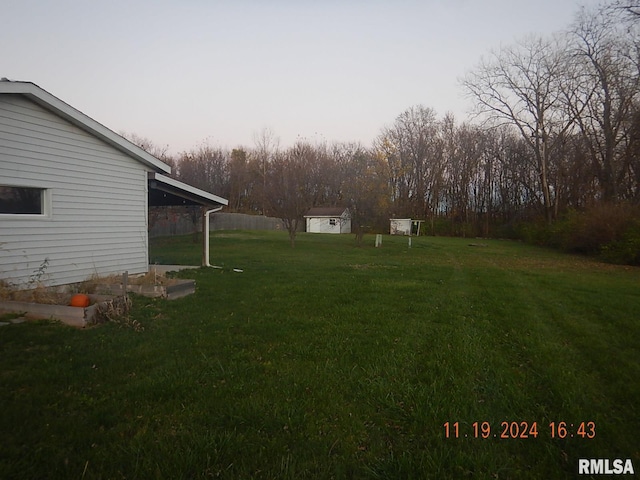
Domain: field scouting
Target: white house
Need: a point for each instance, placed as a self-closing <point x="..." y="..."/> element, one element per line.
<point x="74" y="195"/>
<point x="328" y="220"/>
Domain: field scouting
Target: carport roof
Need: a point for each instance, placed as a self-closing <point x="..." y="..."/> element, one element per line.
<point x="164" y="191"/>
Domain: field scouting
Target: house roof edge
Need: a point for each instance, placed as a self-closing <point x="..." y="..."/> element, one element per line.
<point x="81" y="120"/>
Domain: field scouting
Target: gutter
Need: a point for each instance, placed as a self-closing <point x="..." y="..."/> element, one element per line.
<point x="205" y="234"/>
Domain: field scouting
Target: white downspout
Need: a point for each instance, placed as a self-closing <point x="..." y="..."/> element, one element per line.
<point x="206" y="232"/>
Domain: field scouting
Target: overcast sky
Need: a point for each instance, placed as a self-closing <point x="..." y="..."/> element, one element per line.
<point x="186" y="72"/>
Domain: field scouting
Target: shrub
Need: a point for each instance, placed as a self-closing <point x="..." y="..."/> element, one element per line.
<point x="536" y="232"/>
<point x="627" y="249"/>
<point x="611" y="231"/>
<point x="589" y="231"/>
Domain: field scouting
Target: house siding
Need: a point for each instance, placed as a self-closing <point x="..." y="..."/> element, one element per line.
<point x="97" y="220"/>
<point x="323" y="225"/>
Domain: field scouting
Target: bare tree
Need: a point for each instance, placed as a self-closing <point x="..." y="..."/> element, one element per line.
<point x="161" y="152"/>
<point x="468" y="180"/>
<point x="413" y="150"/>
<point x="633" y="152"/>
<point x="364" y="187"/>
<point x="238" y="179"/>
<point x="206" y="168"/>
<point x="266" y="145"/>
<point x="291" y="189"/>
<point x="606" y="57"/>
<point x="520" y="86"/>
<point x="631" y="8"/>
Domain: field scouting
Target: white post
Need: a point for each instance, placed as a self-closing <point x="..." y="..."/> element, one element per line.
<point x="378" y="240"/>
<point x="206" y="234"/>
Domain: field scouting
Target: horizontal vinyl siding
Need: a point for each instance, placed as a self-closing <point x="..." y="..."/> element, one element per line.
<point x="63" y="153"/>
<point x="321" y="225"/>
<point x="98" y="221"/>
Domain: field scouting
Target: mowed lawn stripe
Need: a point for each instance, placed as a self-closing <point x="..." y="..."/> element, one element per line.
<point x="334" y="361"/>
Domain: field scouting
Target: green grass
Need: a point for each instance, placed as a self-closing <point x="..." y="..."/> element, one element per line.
<point x="332" y="361"/>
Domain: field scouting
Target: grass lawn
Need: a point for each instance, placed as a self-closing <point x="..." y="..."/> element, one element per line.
<point x="332" y="361"/>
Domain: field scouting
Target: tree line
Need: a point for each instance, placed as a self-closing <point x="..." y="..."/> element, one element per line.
<point x="556" y="129"/>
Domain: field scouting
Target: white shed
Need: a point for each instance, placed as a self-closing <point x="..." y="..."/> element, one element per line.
<point x="400" y="226"/>
<point x="74" y="195"/>
<point x="404" y="226"/>
<point x="328" y="220"/>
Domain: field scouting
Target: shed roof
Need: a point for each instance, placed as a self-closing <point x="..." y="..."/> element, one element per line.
<point x="326" y="212"/>
<point x="86" y="123"/>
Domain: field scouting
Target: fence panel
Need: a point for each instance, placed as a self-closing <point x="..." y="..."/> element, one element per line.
<point x="171" y="222"/>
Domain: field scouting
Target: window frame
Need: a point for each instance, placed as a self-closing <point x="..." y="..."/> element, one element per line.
<point x="45" y="201"/>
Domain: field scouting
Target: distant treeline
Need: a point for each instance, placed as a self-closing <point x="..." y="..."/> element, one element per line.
<point x="552" y="154"/>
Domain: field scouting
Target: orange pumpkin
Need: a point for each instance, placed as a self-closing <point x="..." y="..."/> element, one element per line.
<point x="80" y="300"/>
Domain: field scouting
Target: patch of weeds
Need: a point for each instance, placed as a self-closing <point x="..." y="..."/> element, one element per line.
<point x="38" y="294"/>
<point x="92" y="284"/>
<point x="126" y="321"/>
<point x="35" y="290"/>
<point x="5" y="290"/>
<point x="37" y="275"/>
<point x="116" y="311"/>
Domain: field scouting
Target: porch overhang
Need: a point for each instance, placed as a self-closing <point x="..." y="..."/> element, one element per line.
<point x="166" y="191"/>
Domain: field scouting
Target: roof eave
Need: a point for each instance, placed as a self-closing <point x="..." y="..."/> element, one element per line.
<point x="311" y="214"/>
<point x="184" y="190"/>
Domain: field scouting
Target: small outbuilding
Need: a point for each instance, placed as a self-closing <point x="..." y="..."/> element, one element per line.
<point x="328" y="220"/>
<point x="404" y="226"/>
<point x="74" y="195"/>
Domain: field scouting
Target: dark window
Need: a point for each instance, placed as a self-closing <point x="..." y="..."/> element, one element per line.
<point x="332" y="221"/>
<point x="21" y="200"/>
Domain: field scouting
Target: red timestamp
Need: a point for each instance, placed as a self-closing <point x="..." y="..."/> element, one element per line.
<point x="518" y="430"/>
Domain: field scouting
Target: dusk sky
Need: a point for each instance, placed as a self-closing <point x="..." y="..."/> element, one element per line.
<point x="183" y="73"/>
